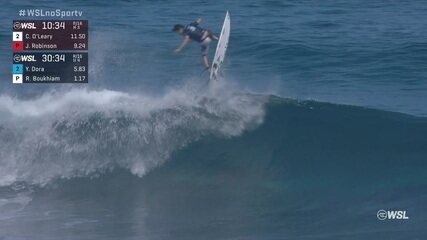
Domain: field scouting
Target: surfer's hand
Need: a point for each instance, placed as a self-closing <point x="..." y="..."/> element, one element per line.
<point x="177" y="50"/>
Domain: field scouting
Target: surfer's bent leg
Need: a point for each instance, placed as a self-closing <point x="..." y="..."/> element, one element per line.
<point x="204" y="48"/>
<point x="205" y="61"/>
<point x="213" y="36"/>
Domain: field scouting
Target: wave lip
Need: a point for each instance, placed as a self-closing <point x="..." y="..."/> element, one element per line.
<point x="84" y="132"/>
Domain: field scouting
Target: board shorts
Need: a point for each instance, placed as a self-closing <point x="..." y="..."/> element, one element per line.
<point x="204" y="46"/>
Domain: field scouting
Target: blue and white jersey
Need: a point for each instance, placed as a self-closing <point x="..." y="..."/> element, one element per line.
<point x="194" y="31"/>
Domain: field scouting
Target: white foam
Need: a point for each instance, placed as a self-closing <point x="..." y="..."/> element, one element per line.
<point x="80" y="132"/>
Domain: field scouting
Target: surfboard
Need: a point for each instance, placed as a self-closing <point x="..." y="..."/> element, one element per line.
<point x="221" y="48"/>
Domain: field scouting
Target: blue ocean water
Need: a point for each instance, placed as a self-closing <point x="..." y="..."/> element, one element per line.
<point x="354" y="52"/>
<point x="319" y="122"/>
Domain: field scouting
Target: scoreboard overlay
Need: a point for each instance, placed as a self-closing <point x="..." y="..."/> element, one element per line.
<point x="50" y="51"/>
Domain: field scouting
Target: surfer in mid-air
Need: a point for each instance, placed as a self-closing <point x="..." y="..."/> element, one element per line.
<point x="194" y="32"/>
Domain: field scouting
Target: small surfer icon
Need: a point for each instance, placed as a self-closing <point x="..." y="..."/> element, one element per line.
<point x="194" y="32"/>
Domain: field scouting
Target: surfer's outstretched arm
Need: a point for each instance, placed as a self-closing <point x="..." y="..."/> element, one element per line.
<point x="183" y="44"/>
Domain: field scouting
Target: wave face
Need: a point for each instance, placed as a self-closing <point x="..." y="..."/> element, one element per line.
<point x="83" y="132"/>
<point x="241" y="166"/>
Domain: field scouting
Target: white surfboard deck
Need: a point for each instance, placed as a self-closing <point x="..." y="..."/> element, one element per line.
<point x="221" y="48"/>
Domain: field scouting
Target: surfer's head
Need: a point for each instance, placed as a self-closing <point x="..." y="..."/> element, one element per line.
<point x="179" y="28"/>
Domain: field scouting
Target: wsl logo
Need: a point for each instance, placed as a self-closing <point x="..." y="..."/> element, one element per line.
<point x="24" y="25"/>
<point x="24" y="58"/>
<point x="392" y="215"/>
